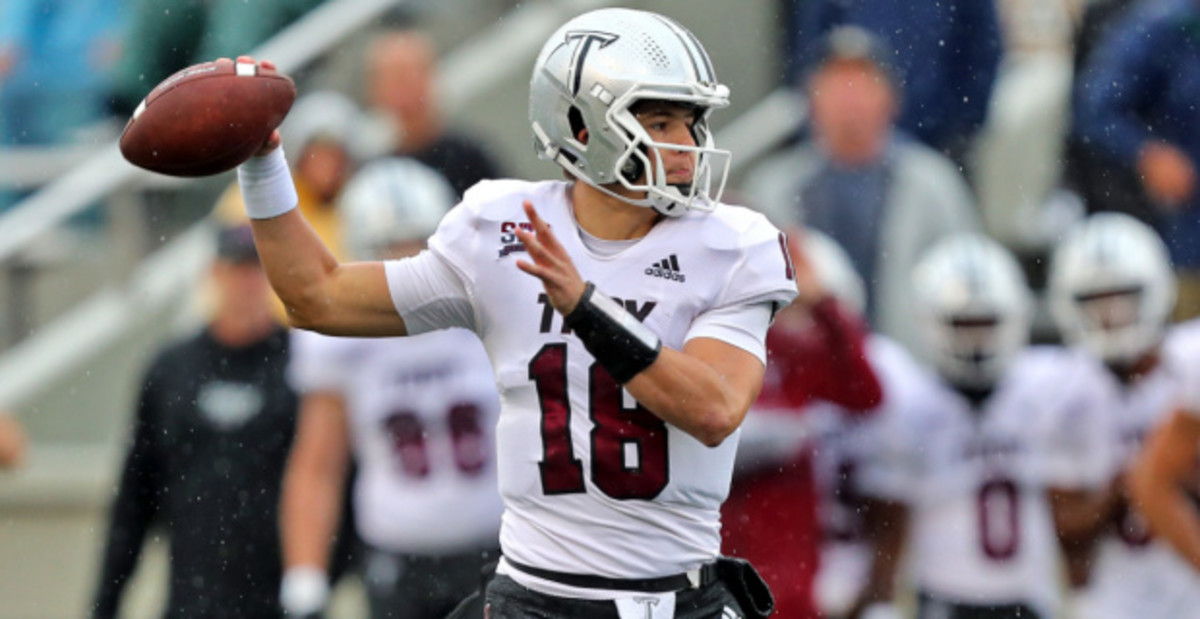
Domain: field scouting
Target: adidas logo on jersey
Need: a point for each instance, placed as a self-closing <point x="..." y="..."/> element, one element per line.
<point x="667" y="268"/>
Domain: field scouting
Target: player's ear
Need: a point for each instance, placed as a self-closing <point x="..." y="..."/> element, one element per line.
<point x="582" y="136"/>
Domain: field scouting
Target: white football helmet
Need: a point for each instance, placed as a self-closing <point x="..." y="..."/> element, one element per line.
<point x="835" y="271"/>
<point x="391" y="201"/>
<point x="588" y="75"/>
<point x="324" y="114"/>
<point x="974" y="307"/>
<point x="1111" y="287"/>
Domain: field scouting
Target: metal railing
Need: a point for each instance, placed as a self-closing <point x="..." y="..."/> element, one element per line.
<point x="34" y="363"/>
<point x="104" y="172"/>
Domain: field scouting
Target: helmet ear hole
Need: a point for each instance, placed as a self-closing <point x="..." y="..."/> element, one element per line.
<point x="575" y="121"/>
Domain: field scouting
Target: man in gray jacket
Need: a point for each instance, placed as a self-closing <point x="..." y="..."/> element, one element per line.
<point x="881" y="196"/>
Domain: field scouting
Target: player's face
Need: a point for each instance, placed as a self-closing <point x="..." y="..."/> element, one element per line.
<point x="670" y="123"/>
<point x="1111" y="310"/>
<point x="972" y="344"/>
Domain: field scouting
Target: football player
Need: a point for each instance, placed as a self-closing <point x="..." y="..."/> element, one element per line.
<point x="816" y="360"/>
<point x="821" y="397"/>
<point x="417" y="414"/>
<point x="1111" y="291"/>
<point x="624" y="312"/>
<point x="960" y="454"/>
<point x="1163" y="480"/>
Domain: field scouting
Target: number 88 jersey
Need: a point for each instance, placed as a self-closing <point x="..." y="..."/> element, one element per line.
<point x="594" y="483"/>
<point x="421" y="413"/>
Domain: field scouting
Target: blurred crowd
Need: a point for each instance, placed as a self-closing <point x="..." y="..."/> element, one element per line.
<point x="913" y="453"/>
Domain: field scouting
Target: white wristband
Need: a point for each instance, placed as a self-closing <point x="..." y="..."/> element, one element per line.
<point x="267" y="187"/>
<point x="304" y="590"/>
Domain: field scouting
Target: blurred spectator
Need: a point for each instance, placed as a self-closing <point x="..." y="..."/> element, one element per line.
<point x="168" y="35"/>
<point x="417" y="414"/>
<point x="882" y="197"/>
<point x="55" y="56"/>
<point x="401" y="76"/>
<point x="1135" y="106"/>
<point x="12" y="442"/>
<point x="814" y="353"/>
<point x="321" y="131"/>
<point x="1019" y="165"/>
<point x="945" y="53"/>
<point x="214" y="424"/>
<point x="1104" y="184"/>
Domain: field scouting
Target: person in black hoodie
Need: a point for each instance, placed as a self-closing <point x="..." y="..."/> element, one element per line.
<point x="214" y="424"/>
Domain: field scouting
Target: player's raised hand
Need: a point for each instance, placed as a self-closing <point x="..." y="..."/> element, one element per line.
<point x="808" y="283"/>
<point x="274" y="140"/>
<point x="550" y="263"/>
<point x="208" y="118"/>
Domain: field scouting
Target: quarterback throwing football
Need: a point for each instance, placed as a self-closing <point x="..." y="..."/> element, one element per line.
<point x="624" y="313"/>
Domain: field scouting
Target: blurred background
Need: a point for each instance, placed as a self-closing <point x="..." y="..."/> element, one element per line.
<point x="101" y="263"/>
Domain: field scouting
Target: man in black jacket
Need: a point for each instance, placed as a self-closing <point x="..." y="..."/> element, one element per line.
<point x="213" y="429"/>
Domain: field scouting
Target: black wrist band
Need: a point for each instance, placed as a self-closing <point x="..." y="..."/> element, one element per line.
<point x="620" y="343"/>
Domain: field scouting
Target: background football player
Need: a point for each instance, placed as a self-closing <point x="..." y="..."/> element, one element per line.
<point x="1111" y="291"/>
<point x="815" y="353"/>
<point x="979" y="540"/>
<point x="1163" y="481"/>
<point x="418" y="414"/>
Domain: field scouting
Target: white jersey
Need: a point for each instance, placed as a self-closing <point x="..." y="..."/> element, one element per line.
<point x="981" y="527"/>
<point x="1132" y="574"/>
<point x="422" y="414"/>
<point x="848" y="467"/>
<point x="593" y="483"/>
<point x="1185" y="347"/>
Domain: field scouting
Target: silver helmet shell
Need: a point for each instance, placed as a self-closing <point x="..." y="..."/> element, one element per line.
<point x="974" y="306"/>
<point x="392" y="201"/>
<point x="834" y="269"/>
<point x="588" y="75"/>
<point x="1111" y="288"/>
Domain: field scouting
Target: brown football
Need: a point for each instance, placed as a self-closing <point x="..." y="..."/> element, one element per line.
<point x="207" y="118"/>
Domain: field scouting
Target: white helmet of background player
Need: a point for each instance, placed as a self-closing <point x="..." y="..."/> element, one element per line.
<point x="834" y="269"/>
<point x="588" y="75"/>
<point x="1111" y="288"/>
<point x="974" y="308"/>
<point x="389" y="202"/>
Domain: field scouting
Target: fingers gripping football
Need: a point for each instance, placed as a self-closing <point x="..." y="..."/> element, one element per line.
<point x="274" y="140"/>
<point x="550" y="263"/>
<point x="209" y="118"/>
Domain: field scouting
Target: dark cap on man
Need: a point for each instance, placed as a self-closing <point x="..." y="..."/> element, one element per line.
<point x="854" y="44"/>
<point x="236" y="244"/>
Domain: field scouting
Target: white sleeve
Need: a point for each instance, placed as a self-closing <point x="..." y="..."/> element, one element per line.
<point x="892" y="464"/>
<point x="763" y="269"/>
<point x="1189" y="393"/>
<point x="1076" y="440"/>
<point x="744" y="326"/>
<point x="435" y="289"/>
<point x="429" y="294"/>
<point x="319" y="362"/>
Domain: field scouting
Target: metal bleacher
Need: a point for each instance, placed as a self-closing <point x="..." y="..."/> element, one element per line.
<point x="82" y="308"/>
